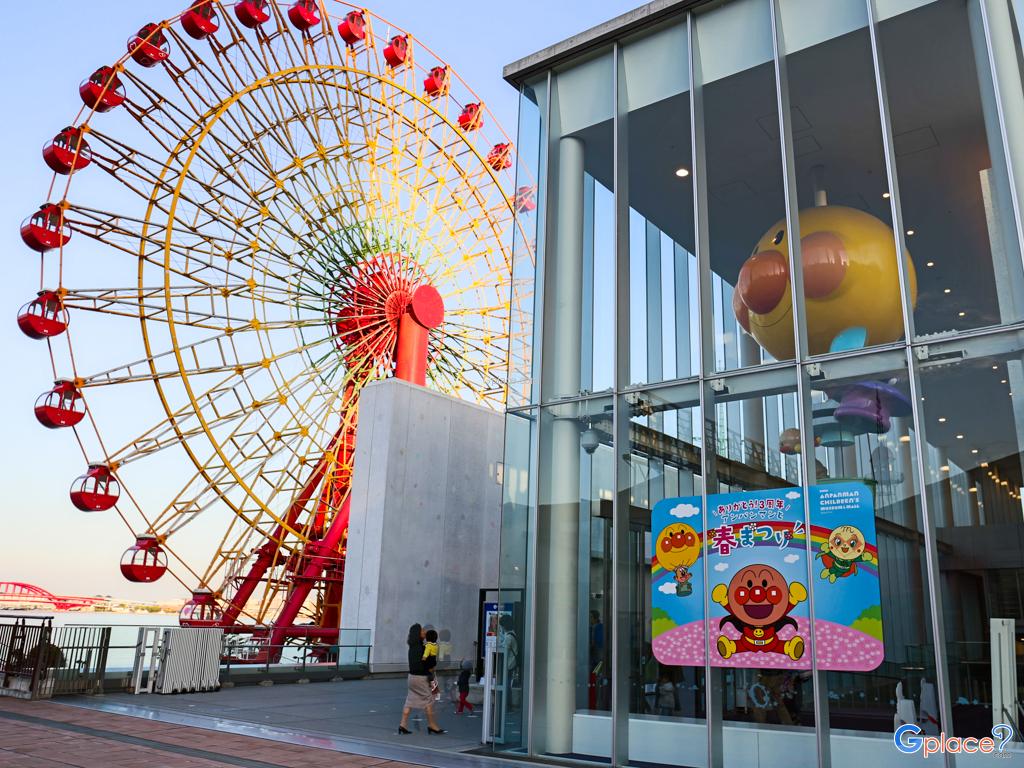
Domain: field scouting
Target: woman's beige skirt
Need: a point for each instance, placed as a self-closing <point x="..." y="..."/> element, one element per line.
<point x="419" y="696"/>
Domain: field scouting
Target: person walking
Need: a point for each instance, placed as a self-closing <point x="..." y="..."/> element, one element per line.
<point x="419" y="695"/>
<point x="467" y="667"/>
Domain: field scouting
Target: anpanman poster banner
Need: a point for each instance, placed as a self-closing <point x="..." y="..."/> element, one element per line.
<point x="731" y="584"/>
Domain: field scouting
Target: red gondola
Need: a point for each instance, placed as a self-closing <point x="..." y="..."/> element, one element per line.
<point x="252" y="13"/>
<point x="500" y="157"/>
<point x="150" y="46"/>
<point x="200" y="611"/>
<point x="525" y="200"/>
<point x="67" y="152"/>
<point x="95" y="491"/>
<point x="102" y="90"/>
<point x="472" y="117"/>
<point x="45" y="229"/>
<point x="353" y="27"/>
<point x="145" y="561"/>
<point x="200" y="20"/>
<point x="43" y="317"/>
<point x="302" y="15"/>
<point x="62" y="406"/>
<point x="397" y="51"/>
<point x="437" y="82"/>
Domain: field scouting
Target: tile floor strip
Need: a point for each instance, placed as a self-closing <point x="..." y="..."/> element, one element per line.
<point x="138" y="741"/>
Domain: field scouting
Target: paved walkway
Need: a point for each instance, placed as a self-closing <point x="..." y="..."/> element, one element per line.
<point x="348" y="724"/>
<point x="355" y="715"/>
<point x="46" y="734"/>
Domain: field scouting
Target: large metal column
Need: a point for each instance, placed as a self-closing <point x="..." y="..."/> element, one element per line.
<point x="558" y="545"/>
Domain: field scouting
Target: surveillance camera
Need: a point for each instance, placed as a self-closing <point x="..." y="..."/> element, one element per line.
<point x="590" y="440"/>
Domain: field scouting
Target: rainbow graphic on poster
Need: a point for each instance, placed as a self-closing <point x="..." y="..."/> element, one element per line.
<point x="734" y="585"/>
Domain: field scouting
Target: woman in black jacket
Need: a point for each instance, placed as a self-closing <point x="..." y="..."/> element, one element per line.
<point x="419" y="695"/>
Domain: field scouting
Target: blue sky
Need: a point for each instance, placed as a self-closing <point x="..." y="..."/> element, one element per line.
<point x="43" y="539"/>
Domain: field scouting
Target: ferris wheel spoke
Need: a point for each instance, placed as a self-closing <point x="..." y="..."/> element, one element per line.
<point x="207" y="356"/>
<point x="183" y="423"/>
<point x="192" y="305"/>
<point x="288" y="483"/>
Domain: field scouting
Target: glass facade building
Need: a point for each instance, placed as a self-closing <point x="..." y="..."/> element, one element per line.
<point x="739" y="211"/>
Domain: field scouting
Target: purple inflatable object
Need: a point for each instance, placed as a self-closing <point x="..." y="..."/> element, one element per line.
<point x="869" y="406"/>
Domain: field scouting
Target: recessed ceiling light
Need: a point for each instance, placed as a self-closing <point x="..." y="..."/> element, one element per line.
<point x="959" y="437"/>
<point x="974" y="450"/>
<point x="885" y="195"/>
<point x="910" y="233"/>
<point x="904" y="438"/>
<point x="682" y="173"/>
<point x="930" y="264"/>
<point x="947" y="290"/>
<point x="995" y="367"/>
<point x="1002" y="381"/>
<point x="960" y="314"/>
<point x="944" y="468"/>
<point x="984" y="464"/>
<point x="972" y="489"/>
<point x="942" y="419"/>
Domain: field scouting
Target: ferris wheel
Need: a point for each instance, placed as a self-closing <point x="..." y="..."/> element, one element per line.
<point x="288" y="206"/>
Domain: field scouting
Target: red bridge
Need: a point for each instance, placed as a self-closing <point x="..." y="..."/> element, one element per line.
<point x="15" y="593"/>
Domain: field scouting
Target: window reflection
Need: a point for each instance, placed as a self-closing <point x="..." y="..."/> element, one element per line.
<point x="973" y="466"/>
<point x="863" y="432"/>
<point x="744" y="178"/>
<point x="955" y="193"/>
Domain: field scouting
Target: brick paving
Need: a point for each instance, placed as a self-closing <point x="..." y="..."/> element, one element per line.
<point x="45" y="734"/>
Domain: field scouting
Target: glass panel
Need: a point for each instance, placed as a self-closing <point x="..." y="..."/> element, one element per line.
<point x="750" y="415"/>
<point x="744" y="180"/>
<point x="664" y="462"/>
<point x="516" y="514"/>
<point x="580" y="267"/>
<point x="663" y="269"/>
<point x="573" y="578"/>
<point x="864" y="433"/>
<point x="955" y="193"/>
<point x="848" y="249"/>
<point x="528" y="265"/>
<point x="974" y="475"/>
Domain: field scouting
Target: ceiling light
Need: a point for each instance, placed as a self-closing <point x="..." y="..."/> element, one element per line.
<point x="1002" y="381"/>
<point x="995" y="367"/>
<point x="1004" y="483"/>
<point x="885" y="195"/>
<point x="942" y="419"/>
<point x="930" y="264"/>
<point x="984" y="464"/>
<point x="960" y="314"/>
<point x="944" y="468"/>
<point x="972" y="489"/>
<point x="682" y="173"/>
<point x="959" y="437"/>
<point x="974" y="450"/>
<point x="910" y="233"/>
<point x="947" y="290"/>
<point x="904" y="438"/>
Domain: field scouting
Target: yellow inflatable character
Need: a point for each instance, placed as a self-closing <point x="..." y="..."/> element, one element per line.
<point x="851" y="284"/>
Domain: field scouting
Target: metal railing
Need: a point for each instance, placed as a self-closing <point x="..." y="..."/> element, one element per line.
<point x="26" y="655"/>
<point x="38" y="660"/>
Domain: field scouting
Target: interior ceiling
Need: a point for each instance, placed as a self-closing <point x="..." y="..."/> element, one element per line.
<point x="941" y="146"/>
